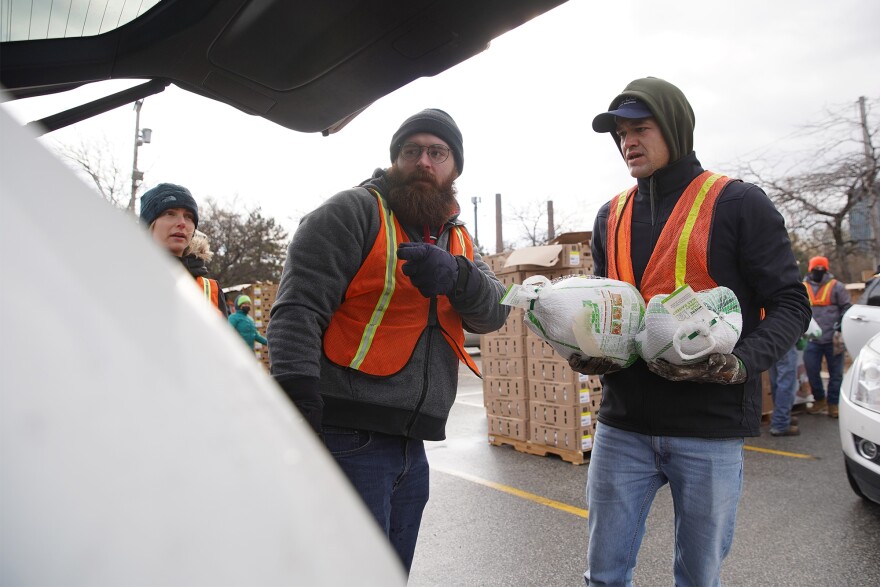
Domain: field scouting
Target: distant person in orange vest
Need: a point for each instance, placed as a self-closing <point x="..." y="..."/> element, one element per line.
<point x="367" y="331"/>
<point x="830" y="301"/>
<point x="172" y="215"/>
<point x="683" y="425"/>
<point x="244" y="324"/>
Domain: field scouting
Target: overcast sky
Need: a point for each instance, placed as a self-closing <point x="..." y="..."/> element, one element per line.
<point x="755" y="71"/>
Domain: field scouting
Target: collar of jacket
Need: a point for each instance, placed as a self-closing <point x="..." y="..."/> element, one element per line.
<point x="672" y="179"/>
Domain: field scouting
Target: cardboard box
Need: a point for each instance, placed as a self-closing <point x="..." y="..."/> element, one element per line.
<point x="496" y="261"/>
<point x="504" y="366"/>
<point x="567" y="251"/>
<point x="577" y="439"/>
<point x="538" y="259"/>
<point x="553" y="369"/>
<point x="508" y="427"/>
<point x="508" y="408"/>
<point x="503" y="346"/>
<point x="539" y="349"/>
<point x="560" y="416"/>
<point x="581" y="238"/>
<point x="509" y="388"/>
<point x="553" y="392"/>
<point x="513" y="326"/>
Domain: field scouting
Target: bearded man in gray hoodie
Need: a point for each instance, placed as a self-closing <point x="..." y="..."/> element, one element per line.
<point x="366" y="333"/>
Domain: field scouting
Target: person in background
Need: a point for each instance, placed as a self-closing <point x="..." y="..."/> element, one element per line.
<point x="830" y="301"/>
<point x="783" y="387"/>
<point x="367" y="330"/>
<point x="683" y="425"/>
<point x="172" y="215"/>
<point x="244" y="324"/>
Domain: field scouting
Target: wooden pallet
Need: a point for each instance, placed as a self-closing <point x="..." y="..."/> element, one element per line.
<point x="574" y="457"/>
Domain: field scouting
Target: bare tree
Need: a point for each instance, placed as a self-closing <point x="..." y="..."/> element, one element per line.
<point x="829" y="192"/>
<point x="533" y="221"/>
<point x="248" y="247"/>
<point x="97" y="162"/>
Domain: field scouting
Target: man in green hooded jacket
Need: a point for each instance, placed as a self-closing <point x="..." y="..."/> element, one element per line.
<point x="661" y="423"/>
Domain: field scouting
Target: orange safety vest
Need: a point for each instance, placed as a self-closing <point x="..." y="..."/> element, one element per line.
<point x="681" y="255"/>
<point x="822" y="297"/>
<point x="376" y="327"/>
<point x="211" y="289"/>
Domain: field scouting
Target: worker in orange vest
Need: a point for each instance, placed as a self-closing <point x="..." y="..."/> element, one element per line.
<point x="830" y="301"/>
<point x="367" y="330"/>
<point x="683" y="425"/>
<point x="172" y="216"/>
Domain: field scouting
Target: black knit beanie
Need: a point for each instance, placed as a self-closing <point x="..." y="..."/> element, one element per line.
<point x="165" y="196"/>
<point x="435" y="122"/>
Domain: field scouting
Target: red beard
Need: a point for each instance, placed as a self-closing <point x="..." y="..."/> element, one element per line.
<point x="417" y="199"/>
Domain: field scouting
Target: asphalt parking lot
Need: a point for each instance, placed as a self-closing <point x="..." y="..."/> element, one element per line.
<point x="498" y="517"/>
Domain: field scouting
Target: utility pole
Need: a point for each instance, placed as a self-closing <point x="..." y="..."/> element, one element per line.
<point x="141" y="136"/>
<point x="551" y="231"/>
<point x="476" y="200"/>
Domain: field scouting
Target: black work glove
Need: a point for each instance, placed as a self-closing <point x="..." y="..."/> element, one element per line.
<point x="718" y="368"/>
<point x="592" y="365"/>
<point x="431" y="269"/>
<point x="303" y="392"/>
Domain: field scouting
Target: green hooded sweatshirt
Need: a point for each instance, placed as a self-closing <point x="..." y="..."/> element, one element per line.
<point x="671" y="110"/>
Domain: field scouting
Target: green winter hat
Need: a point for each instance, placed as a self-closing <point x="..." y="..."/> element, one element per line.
<point x="242" y="300"/>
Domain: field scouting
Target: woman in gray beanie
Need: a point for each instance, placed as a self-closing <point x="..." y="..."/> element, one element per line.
<point x="172" y="215"/>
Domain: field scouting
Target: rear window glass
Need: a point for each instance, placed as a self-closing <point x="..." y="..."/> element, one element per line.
<point x="24" y="20"/>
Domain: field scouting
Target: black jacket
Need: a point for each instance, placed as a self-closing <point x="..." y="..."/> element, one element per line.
<point x="750" y="253"/>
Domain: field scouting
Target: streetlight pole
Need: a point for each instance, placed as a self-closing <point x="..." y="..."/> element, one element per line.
<point x="476" y="200"/>
<point x="141" y="136"/>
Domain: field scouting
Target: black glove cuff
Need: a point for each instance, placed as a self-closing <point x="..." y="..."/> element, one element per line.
<point x="466" y="284"/>
<point x="302" y="391"/>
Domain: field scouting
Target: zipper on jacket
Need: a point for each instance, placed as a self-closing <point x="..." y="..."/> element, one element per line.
<point x="432" y="326"/>
<point x="651" y="199"/>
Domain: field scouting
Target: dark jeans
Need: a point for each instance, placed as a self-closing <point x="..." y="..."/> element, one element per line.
<point x="813" y="363"/>
<point x="391" y="475"/>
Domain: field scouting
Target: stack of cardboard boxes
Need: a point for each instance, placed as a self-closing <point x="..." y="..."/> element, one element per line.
<point x="534" y="401"/>
<point x="262" y="296"/>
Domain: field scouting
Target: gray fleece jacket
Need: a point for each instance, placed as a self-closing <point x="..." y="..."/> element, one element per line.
<point x="326" y="252"/>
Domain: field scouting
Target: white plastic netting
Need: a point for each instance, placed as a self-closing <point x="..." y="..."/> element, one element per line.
<point x="690" y="341"/>
<point x="594" y="316"/>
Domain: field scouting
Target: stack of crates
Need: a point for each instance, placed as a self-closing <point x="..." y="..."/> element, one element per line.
<point x="534" y="401"/>
<point x="262" y="296"/>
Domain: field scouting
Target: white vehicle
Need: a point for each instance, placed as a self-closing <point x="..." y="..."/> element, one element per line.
<point x="860" y="395"/>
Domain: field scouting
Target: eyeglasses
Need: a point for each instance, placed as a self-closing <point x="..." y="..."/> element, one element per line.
<point x="436" y="153"/>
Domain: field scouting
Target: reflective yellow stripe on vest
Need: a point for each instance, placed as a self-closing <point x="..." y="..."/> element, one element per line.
<point x="387" y="289"/>
<point x="684" y="239"/>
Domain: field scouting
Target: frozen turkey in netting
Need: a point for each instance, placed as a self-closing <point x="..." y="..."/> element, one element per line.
<point x="685" y="327"/>
<point x="593" y="316"/>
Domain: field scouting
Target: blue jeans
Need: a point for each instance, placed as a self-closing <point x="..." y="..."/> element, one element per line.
<point x="626" y="470"/>
<point x="813" y="364"/>
<point x="783" y="380"/>
<point x="391" y="475"/>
